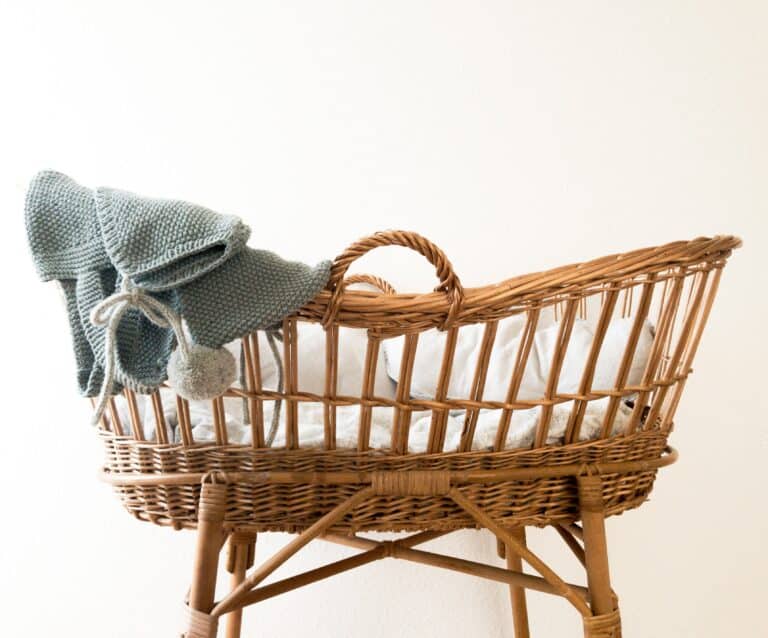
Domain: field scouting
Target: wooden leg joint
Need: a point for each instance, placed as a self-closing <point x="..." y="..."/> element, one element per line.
<point x="241" y="542"/>
<point x="591" y="493"/>
<point x="213" y="502"/>
<point x="411" y="483"/>
<point x="200" y="625"/>
<point x="603" y="626"/>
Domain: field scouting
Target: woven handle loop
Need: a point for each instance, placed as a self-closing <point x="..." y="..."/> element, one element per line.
<point x="449" y="282"/>
<point x="372" y="280"/>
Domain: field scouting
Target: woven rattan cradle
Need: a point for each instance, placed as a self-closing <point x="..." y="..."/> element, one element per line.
<point x="229" y="493"/>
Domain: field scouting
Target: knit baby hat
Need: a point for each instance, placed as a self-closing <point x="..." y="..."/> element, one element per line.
<point x="62" y="228"/>
<point x="164" y="243"/>
<point x="223" y="289"/>
<point x="67" y="245"/>
<point x="252" y="291"/>
<point x="159" y="245"/>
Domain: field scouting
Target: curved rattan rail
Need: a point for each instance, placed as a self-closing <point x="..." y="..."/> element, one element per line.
<point x="335" y="493"/>
<point x="416" y="312"/>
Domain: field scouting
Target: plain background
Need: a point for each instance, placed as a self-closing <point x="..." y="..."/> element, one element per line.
<point x="518" y="136"/>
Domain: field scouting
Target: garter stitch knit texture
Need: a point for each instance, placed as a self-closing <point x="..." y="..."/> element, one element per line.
<point x="160" y="243"/>
<point x="188" y="257"/>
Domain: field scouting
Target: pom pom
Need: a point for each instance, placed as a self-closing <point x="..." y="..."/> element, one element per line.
<point x="204" y="374"/>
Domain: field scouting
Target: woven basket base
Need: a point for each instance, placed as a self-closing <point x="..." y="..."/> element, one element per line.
<point x="292" y="507"/>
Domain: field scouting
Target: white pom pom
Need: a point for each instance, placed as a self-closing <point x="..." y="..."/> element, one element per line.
<point x="204" y="374"/>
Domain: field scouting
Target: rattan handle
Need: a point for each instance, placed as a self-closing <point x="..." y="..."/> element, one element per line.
<point x="372" y="280"/>
<point x="449" y="282"/>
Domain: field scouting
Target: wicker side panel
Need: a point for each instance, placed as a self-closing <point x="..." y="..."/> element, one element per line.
<point x="289" y="507"/>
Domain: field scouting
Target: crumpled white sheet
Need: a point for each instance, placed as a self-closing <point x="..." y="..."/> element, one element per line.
<point x="521" y="432"/>
<point x="424" y="380"/>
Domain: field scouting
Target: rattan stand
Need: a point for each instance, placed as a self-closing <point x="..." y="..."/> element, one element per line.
<point x="597" y="603"/>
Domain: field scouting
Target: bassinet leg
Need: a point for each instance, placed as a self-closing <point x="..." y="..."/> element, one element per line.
<point x="517" y="594"/>
<point x="202" y="594"/>
<point x="605" y="621"/>
<point x="242" y="550"/>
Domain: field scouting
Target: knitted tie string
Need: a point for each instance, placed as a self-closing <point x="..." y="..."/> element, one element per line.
<point x="109" y="313"/>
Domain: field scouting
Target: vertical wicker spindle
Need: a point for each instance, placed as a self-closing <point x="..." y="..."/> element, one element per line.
<point x="252" y="359"/>
<point x="585" y="385"/>
<point x="133" y="409"/>
<point x="402" y="416"/>
<point x="518" y="371"/>
<point x="161" y="434"/>
<point x="478" y="385"/>
<point x="291" y="364"/>
<point x="563" y="337"/>
<point x="114" y="417"/>
<point x="331" y="385"/>
<point x="185" y="427"/>
<point x="369" y="378"/>
<point x="628" y="356"/>
<point x="440" y="415"/>
<point x="692" y="346"/>
<point x="219" y="421"/>
<point x="685" y="332"/>
<point x="654" y="359"/>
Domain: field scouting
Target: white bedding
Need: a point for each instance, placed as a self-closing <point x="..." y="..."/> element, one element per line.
<point x="521" y="432"/>
<point x="352" y="345"/>
<point x="429" y="354"/>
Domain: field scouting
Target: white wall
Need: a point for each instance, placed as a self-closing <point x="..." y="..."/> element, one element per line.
<point x="517" y="136"/>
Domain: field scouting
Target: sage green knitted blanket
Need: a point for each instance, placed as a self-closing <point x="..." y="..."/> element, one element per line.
<point x="186" y="256"/>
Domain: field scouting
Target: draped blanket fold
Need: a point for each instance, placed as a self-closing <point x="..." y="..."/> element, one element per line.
<point x="188" y="257"/>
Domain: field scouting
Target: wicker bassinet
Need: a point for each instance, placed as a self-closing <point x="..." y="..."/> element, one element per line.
<point x="230" y="492"/>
